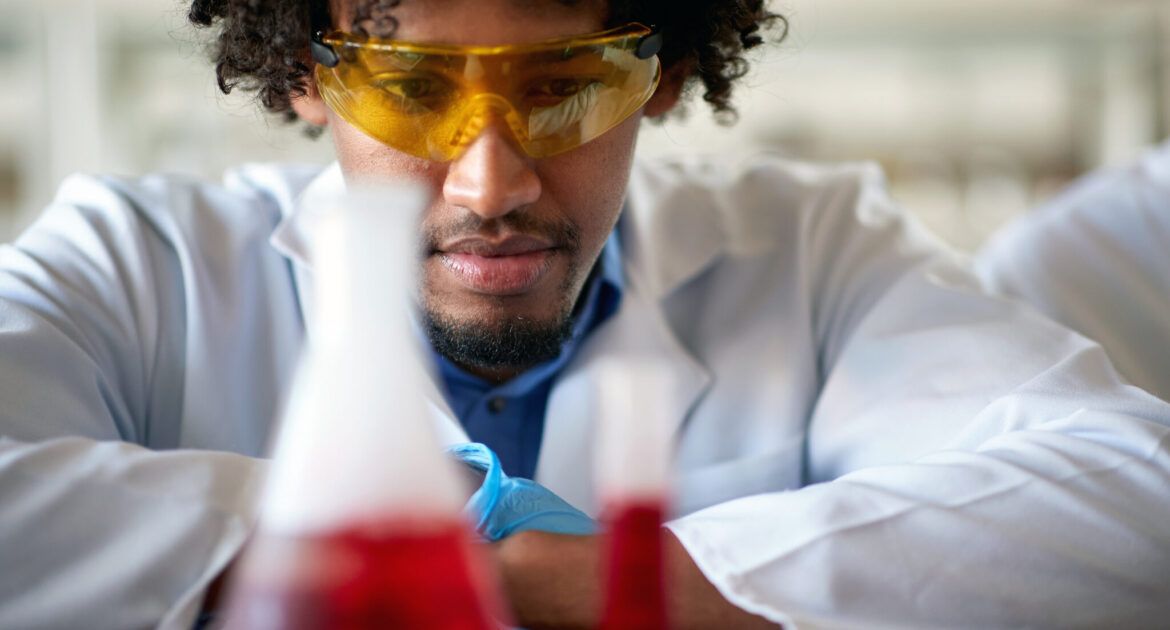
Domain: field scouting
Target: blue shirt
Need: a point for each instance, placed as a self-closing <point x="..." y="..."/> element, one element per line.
<point x="509" y="417"/>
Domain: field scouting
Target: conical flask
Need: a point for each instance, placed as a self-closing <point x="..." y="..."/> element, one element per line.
<point x="360" y="523"/>
<point x="633" y="473"/>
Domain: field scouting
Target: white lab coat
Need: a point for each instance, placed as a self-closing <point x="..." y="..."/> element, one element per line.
<point x="1097" y="259"/>
<point x="863" y="438"/>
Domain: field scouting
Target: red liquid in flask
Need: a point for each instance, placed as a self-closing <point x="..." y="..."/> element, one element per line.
<point x="367" y="577"/>
<point x="635" y="593"/>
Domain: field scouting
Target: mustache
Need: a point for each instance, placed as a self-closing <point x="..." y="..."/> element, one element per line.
<point x="560" y="232"/>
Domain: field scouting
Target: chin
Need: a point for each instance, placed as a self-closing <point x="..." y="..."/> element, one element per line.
<point x="499" y="339"/>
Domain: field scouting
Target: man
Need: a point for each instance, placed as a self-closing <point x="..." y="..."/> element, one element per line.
<point x="863" y="438"/>
<point x="1096" y="259"/>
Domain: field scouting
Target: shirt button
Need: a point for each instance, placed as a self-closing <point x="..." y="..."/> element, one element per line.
<point x="496" y="405"/>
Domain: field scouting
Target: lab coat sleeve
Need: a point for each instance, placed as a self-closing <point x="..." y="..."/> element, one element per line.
<point x="113" y="535"/>
<point x="96" y="531"/>
<point x="970" y="463"/>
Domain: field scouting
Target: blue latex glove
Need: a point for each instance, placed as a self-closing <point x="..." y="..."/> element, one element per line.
<point x="505" y="505"/>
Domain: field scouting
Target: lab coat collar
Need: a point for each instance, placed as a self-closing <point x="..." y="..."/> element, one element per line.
<point x="291" y="236"/>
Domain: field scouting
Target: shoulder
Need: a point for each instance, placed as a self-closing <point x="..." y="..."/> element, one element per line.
<point x="765" y="204"/>
<point x="146" y="235"/>
<point x="819" y="230"/>
<point x="178" y="208"/>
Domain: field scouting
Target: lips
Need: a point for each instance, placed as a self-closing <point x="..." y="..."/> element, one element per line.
<point x="509" y="266"/>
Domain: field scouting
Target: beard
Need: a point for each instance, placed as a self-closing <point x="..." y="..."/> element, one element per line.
<point x="514" y="343"/>
<point x="494" y="340"/>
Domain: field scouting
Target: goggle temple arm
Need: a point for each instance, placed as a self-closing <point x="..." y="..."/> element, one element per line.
<point x="649" y="45"/>
<point x="319" y="22"/>
<point x="323" y="53"/>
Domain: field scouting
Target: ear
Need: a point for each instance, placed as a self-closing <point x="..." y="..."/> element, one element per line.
<point x="669" y="89"/>
<point x="310" y="107"/>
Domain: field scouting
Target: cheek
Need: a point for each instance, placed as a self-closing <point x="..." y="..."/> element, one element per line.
<point x="589" y="183"/>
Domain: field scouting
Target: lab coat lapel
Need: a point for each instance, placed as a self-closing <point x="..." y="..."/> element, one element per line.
<point x="667" y="239"/>
<point x="637" y="335"/>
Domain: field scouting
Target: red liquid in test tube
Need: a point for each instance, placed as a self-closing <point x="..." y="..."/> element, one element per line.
<point x="633" y="479"/>
<point x="635" y="592"/>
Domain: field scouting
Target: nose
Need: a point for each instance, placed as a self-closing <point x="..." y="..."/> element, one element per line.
<point x="492" y="177"/>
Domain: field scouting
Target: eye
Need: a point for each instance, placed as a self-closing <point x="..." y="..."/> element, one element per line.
<point x="557" y="89"/>
<point x="417" y="90"/>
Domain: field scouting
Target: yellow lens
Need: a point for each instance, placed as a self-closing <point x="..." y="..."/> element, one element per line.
<point x="433" y="101"/>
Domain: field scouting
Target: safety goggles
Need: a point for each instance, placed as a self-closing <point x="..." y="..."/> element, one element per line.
<point x="432" y="101"/>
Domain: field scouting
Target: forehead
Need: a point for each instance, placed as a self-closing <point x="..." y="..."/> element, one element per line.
<point x="472" y="21"/>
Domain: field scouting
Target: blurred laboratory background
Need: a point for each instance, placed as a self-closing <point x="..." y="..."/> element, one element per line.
<point x="977" y="109"/>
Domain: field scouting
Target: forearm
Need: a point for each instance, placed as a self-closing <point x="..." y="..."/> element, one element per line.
<point x="554" y="581"/>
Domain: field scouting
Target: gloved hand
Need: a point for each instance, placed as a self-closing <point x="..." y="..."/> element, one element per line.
<point x="505" y="505"/>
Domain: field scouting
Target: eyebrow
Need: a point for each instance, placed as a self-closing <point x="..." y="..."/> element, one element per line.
<point x="372" y="17"/>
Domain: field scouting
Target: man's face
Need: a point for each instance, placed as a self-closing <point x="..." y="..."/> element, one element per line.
<point x="509" y="240"/>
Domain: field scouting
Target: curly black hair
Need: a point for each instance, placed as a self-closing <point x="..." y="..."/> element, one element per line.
<point x="262" y="45"/>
